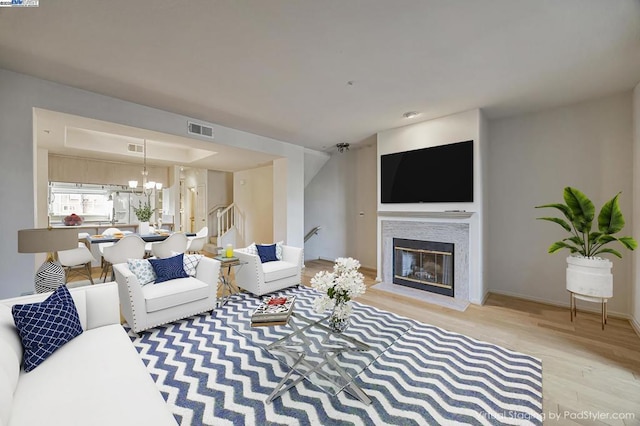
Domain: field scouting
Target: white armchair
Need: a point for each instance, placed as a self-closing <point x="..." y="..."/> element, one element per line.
<point x="262" y="278"/>
<point x="151" y="305"/>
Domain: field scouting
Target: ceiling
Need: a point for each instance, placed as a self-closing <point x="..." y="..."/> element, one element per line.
<point x="71" y="135"/>
<point x="317" y="73"/>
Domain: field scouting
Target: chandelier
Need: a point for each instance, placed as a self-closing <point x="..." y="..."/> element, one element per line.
<point x="342" y="147"/>
<point x="147" y="186"/>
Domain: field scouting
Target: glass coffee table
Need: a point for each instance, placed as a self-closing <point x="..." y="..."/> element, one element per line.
<point x="313" y="352"/>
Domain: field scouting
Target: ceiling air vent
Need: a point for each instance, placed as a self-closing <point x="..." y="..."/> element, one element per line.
<point x="199" y="129"/>
<point x="134" y="147"/>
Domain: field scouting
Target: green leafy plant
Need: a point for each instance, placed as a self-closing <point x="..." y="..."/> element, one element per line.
<point x="580" y="213"/>
<point x="143" y="211"/>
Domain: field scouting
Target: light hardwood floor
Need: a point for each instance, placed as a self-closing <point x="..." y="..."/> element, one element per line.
<point x="586" y="371"/>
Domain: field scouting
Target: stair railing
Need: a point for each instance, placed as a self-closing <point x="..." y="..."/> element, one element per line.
<point x="226" y="219"/>
<point x="311" y="233"/>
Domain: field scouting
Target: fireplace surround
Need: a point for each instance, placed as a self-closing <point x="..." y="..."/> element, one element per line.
<point x="454" y="232"/>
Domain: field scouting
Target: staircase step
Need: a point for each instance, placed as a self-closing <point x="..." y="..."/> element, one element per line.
<point x="211" y="248"/>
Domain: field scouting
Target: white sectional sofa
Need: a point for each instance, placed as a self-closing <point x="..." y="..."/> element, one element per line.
<point x="95" y="379"/>
<point x="262" y="278"/>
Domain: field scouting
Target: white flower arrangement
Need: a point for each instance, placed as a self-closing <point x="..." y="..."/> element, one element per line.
<point x="338" y="287"/>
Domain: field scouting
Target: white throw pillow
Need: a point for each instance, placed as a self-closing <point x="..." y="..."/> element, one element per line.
<point x="190" y="263"/>
<point x="279" y="245"/>
<point x="143" y="270"/>
<point x="252" y="249"/>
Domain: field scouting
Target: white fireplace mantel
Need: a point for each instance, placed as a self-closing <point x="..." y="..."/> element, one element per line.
<point x="447" y="214"/>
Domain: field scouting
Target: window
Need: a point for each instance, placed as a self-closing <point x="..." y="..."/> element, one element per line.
<point x="92" y="202"/>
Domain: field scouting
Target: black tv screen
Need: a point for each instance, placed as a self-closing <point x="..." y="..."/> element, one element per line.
<point x="439" y="174"/>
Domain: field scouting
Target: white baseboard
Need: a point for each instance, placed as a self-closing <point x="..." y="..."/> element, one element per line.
<point x="635" y="325"/>
<point x="561" y="304"/>
<point x="370" y="268"/>
<point x="484" y="299"/>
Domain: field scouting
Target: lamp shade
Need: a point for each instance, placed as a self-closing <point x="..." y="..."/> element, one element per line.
<point x="42" y="240"/>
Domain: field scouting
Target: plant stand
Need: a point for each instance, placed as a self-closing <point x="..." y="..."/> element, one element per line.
<point x="589" y="279"/>
<point x="602" y="300"/>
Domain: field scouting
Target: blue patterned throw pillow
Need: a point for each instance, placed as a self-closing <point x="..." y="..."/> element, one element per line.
<point x="46" y="326"/>
<point x="267" y="253"/>
<point x="169" y="268"/>
<point x="143" y="270"/>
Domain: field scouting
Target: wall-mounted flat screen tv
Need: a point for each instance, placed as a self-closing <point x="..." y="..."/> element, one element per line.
<point x="439" y="174"/>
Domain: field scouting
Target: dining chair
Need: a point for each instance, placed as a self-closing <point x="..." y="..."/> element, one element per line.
<point x="176" y="243"/>
<point x="197" y="242"/>
<point x="109" y="232"/>
<point x="129" y="247"/>
<point x="76" y="259"/>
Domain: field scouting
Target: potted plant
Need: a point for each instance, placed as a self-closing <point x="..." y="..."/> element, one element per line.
<point x="588" y="274"/>
<point x="143" y="213"/>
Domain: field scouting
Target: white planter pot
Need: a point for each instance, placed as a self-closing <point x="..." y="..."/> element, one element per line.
<point x="143" y="228"/>
<point x="589" y="277"/>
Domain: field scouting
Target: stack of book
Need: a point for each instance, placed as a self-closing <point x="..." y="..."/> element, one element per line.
<point x="224" y="259"/>
<point x="273" y="311"/>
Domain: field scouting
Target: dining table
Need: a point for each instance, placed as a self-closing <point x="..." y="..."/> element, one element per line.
<point x="148" y="238"/>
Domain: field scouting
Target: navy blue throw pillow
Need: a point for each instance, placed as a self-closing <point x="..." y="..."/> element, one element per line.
<point x="267" y="253"/>
<point x="46" y="326"/>
<point x="169" y="268"/>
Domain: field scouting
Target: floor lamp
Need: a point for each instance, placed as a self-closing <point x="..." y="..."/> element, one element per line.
<point x="51" y="274"/>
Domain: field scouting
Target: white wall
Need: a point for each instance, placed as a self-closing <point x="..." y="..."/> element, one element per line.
<point x="363" y="221"/>
<point x="532" y="158"/>
<point x="468" y="125"/>
<point x="635" y="284"/>
<point x="313" y="162"/>
<point x="453" y="128"/>
<point x="219" y="188"/>
<point x="219" y="193"/>
<point x="253" y="198"/>
<point x="343" y="188"/>
<point x="280" y="167"/>
<point x="20" y="93"/>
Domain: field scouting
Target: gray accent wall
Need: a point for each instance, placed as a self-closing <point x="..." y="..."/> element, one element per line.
<point x="341" y="199"/>
<point x="532" y="158"/>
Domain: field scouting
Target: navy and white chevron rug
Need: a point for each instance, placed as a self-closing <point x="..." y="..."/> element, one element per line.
<point x="210" y="374"/>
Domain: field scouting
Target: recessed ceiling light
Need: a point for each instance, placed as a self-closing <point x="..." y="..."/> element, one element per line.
<point x="411" y="114"/>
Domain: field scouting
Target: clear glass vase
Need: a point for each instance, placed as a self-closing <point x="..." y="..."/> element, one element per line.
<point x="339" y="319"/>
